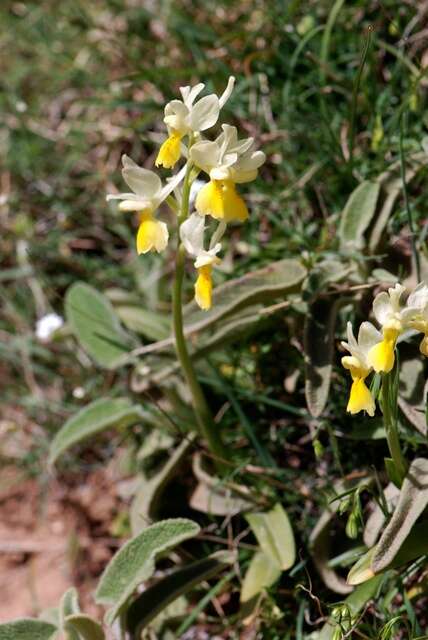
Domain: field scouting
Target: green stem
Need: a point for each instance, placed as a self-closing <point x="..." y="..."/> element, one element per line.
<point x="406" y="201"/>
<point x="355" y="94"/>
<point x="204" y="418"/>
<point x="390" y="423"/>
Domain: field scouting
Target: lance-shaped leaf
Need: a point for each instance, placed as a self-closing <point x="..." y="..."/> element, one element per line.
<point x="262" y="573"/>
<point x="86" y="627"/>
<point x="414" y="546"/>
<point x="263" y="285"/>
<point x="320" y="323"/>
<point x="149" y="493"/>
<point x="179" y="582"/>
<point x="376" y="521"/>
<point x="392" y="188"/>
<point x="357" y="214"/>
<point x="214" y="496"/>
<point x="69" y="604"/>
<point x="97" y="416"/>
<point x="135" y="561"/>
<point x="96" y="325"/>
<point x="245" y="293"/>
<point x="411" y="503"/>
<point x="274" y="535"/>
<point x="27" y="629"/>
<point x="153" y="326"/>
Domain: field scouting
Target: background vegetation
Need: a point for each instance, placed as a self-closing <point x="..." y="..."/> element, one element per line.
<point x="329" y="90"/>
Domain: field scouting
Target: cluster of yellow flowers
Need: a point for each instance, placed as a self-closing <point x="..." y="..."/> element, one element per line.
<point x="375" y="350"/>
<point x="227" y="161"/>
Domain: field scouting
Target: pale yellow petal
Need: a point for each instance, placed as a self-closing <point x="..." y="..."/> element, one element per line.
<point x="381" y="357"/>
<point x="203" y="287"/>
<point x="152" y="235"/>
<point x="170" y="151"/>
<point x="360" y="398"/>
<point x="220" y="200"/>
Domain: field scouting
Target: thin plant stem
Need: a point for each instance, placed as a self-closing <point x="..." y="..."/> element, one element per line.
<point x="355" y="93"/>
<point x="205" y="421"/>
<point x="390" y="423"/>
<point x="406" y="200"/>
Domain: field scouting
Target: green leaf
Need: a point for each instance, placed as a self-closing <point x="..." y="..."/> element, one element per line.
<point x="96" y="326"/>
<point x="101" y="414"/>
<point x="157" y="597"/>
<point x="135" y="561"/>
<point x="214" y="496"/>
<point x="255" y="288"/>
<point x="414" y="546"/>
<point x="69" y="604"/>
<point x="320" y="323"/>
<point x="357" y="214"/>
<point x="149" y="493"/>
<point x="274" y="535"/>
<point x="153" y="326"/>
<point x="262" y="572"/>
<point x="27" y="629"/>
<point x="263" y="285"/>
<point x="411" y="503"/>
<point x="85" y="626"/>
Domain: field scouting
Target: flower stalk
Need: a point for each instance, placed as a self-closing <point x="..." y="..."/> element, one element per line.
<point x="389" y="411"/>
<point x="207" y="426"/>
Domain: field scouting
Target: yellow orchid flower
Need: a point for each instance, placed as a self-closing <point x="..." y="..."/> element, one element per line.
<point x="228" y="161"/>
<point x="146" y="197"/>
<point x="184" y="117"/>
<point x="394" y="318"/>
<point x="360" y="398"/>
<point x="192" y="237"/>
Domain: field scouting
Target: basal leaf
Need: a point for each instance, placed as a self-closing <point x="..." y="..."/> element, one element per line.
<point x="179" y="582"/>
<point x="86" y="627"/>
<point x="411" y="503"/>
<point x="357" y="214"/>
<point x="414" y="546"/>
<point x="319" y="348"/>
<point x="274" y="535"/>
<point x="96" y="325"/>
<point x="135" y="561"/>
<point x="27" y="629"/>
<point x="154" y="326"/>
<point x="99" y="415"/>
<point x="146" y="501"/>
<point x="262" y="285"/>
<point x="262" y="573"/>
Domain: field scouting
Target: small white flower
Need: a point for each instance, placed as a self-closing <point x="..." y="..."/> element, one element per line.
<point x="148" y="192"/>
<point x="228" y="158"/>
<point x="46" y="326"/>
<point x="190" y="115"/>
<point x="192" y="237"/>
<point x="368" y="336"/>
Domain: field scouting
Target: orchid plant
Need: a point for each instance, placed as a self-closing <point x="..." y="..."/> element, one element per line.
<point x="227" y="161"/>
